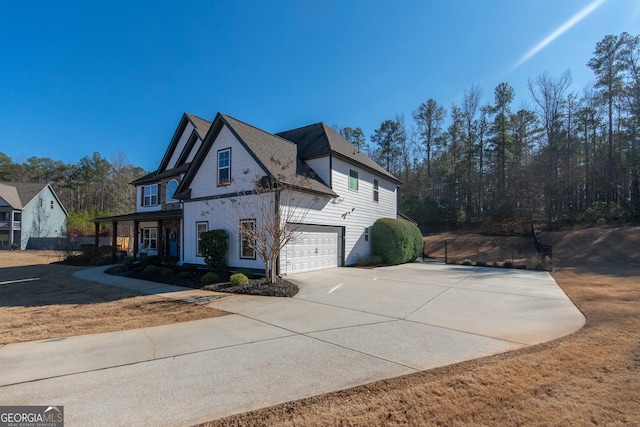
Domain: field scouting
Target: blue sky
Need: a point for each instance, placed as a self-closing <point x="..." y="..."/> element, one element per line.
<point x="116" y="76"/>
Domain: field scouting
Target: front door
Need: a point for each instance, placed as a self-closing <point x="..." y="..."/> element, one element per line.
<point x="173" y="248"/>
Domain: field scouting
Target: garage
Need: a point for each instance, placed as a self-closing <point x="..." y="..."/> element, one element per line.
<point x="314" y="247"/>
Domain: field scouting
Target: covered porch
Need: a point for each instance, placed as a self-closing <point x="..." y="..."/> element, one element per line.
<point x="157" y="233"/>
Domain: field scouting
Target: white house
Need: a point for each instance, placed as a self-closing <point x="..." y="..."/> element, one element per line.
<point x="29" y="210"/>
<point x="206" y="180"/>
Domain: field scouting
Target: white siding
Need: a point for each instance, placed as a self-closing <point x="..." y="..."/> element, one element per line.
<point x="322" y="166"/>
<point x="180" y="146"/>
<point x="354" y="210"/>
<point x="244" y="169"/>
<point x="194" y="150"/>
<point x="225" y="213"/>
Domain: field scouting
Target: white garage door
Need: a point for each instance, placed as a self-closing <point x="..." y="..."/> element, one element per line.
<point x="313" y="248"/>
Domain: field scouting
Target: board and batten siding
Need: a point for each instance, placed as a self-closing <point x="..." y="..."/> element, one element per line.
<point x="182" y="142"/>
<point x="221" y="207"/>
<point x="244" y="169"/>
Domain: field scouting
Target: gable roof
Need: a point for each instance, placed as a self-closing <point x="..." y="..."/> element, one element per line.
<point x="19" y="194"/>
<point x="201" y="127"/>
<point x="276" y="156"/>
<point x="319" y="140"/>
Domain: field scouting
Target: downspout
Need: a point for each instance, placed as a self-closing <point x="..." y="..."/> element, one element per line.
<point x="276" y="209"/>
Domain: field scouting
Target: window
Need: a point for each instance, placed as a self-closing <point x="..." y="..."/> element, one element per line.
<point x="376" y="191"/>
<point x="366" y="234"/>
<point x="201" y="227"/>
<point x="150" y="195"/>
<point x="172" y="186"/>
<point x="224" y="167"/>
<point x="247" y="238"/>
<point x="353" y="180"/>
<point x="149" y="238"/>
<point x="52" y="204"/>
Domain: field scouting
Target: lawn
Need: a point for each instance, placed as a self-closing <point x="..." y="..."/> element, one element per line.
<point x="589" y="378"/>
<point x="40" y="300"/>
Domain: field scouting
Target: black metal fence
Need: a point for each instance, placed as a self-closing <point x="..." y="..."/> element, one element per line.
<point x="488" y="253"/>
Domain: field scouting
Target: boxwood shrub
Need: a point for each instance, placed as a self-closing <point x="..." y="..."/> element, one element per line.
<point x="238" y="279"/>
<point x="396" y="240"/>
<point x="209" y="278"/>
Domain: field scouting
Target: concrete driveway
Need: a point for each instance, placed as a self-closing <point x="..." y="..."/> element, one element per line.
<point x="345" y="327"/>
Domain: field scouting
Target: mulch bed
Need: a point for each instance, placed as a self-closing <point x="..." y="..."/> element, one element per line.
<point x="282" y="287"/>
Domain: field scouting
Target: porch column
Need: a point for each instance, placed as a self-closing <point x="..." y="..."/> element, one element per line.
<point x="97" y="235"/>
<point x="114" y="240"/>
<point x="135" y="239"/>
<point x="161" y="239"/>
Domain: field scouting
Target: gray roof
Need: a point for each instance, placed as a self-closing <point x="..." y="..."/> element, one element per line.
<point x="277" y="156"/>
<point x="202" y="126"/>
<point x="19" y="194"/>
<point x="319" y="140"/>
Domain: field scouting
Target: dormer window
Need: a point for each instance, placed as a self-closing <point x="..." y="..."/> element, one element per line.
<point x="224" y="167"/>
<point x="150" y="195"/>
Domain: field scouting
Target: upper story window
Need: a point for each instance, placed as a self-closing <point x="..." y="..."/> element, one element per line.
<point x="353" y="180"/>
<point x="150" y="195"/>
<point x="376" y="191"/>
<point x="172" y="186"/>
<point x="224" y="167"/>
<point x="52" y="205"/>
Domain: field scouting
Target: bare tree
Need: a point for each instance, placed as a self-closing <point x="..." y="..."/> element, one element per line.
<point x="429" y="117"/>
<point x="278" y="209"/>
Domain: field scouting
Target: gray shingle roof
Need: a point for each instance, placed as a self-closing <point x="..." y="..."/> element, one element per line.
<point x="19" y="194"/>
<point x="202" y="126"/>
<point x="319" y="140"/>
<point x="278" y="156"/>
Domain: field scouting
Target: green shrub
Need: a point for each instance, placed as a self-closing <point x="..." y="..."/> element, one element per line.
<point x="396" y="240"/>
<point x="151" y="270"/>
<point x="361" y="262"/>
<point x="246" y="272"/>
<point x="507" y="264"/>
<point x="213" y="244"/>
<point x="170" y="260"/>
<point x="467" y="262"/>
<point x="238" y="279"/>
<point x="375" y="260"/>
<point x="167" y="271"/>
<point x="209" y="278"/>
<point x="88" y="251"/>
<point x="481" y="264"/>
<point x="127" y="261"/>
<point x="185" y="275"/>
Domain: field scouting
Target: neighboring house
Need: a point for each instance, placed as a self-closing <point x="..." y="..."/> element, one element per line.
<point x="206" y="181"/>
<point x="29" y="210"/>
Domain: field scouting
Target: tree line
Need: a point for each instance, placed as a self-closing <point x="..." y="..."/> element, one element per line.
<point x="569" y="157"/>
<point x="91" y="188"/>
